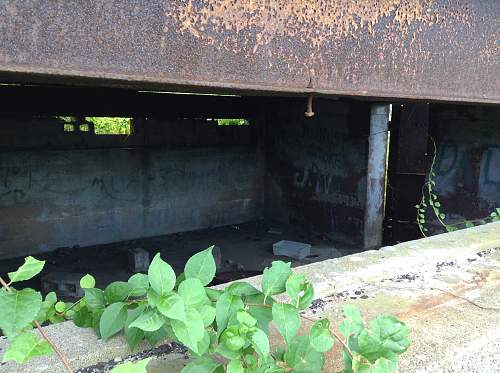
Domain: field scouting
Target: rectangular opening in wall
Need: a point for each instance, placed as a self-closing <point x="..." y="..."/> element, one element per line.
<point x="111" y="125"/>
<point x="230" y="121"/>
<point x="97" y="125"/>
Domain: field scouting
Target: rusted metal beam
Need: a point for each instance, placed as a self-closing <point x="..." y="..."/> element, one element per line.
<point x="410" y="49"/>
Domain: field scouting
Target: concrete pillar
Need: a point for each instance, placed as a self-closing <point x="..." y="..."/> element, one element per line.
<point x="376" y="173"/>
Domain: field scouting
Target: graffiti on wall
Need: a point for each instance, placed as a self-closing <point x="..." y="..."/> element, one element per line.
<point x="328" y="187"/>
<point x="459" y="166"/>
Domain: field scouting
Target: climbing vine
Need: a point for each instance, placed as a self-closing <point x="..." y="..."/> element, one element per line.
<point x="430" y="202"/>
<point x="224" y="330"/>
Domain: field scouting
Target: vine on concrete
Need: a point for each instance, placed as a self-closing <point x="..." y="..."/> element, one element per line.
<point x="224" y="330"/>
<point x="430" y="201"/>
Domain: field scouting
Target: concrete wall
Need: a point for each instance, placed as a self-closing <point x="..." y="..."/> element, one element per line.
<point x="468" y="163"/>
<point x="63" y="189"/>
<point x="316" y="167"/>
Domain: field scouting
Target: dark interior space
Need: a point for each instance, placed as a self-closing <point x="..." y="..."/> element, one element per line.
<point x="178" y="179"/>
<point x="458" y="146"/>
<point x="185" y="172"/>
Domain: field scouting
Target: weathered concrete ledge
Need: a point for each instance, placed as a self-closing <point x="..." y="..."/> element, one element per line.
<point x="446" y="288"/>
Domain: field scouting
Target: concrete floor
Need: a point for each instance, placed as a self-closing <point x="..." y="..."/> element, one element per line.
<point x="246" y="249"/>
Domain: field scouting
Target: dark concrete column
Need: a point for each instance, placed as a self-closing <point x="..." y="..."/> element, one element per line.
<point x="376" y="173"/>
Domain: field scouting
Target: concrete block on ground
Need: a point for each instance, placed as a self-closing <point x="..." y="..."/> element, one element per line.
<point x="292" y="249"/>
<point x="138" y="260"/>
<point x="65" y="284"/>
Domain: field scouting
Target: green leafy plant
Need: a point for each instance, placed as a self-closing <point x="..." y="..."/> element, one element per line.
<point x="224" y="330"/>
<point x="22" y="310"/>
<point x="430" y="202"/>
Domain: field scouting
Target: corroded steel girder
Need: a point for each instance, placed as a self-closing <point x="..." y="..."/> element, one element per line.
<point x="419" y="49"/>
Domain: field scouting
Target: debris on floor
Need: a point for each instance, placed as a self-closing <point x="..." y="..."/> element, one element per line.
<point x="138" y="260"/>
<point x="292" y="249"/>
<point x="65" y="284"/>
<point x="274" y="231"/>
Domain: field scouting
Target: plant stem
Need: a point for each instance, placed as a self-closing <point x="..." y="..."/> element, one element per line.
<point x="220" y="359"/>
<point x="312" y="320"/>
<point x="39" y="327"/>
<point x="259" y="305"/>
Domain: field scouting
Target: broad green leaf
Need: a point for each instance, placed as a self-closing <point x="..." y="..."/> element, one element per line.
<point x="51" y="297"/>
<point x="201" y="266"/>
<point x="319" y="336"/>
<point x="302" y="357"/>
<point x="83" y="318"/>
<point x="29" y="269"/>
<point x="287" y="320"/>
<point x="242" y="289"/>
<point x="153" y="297"/>
<point x="95" y="299"/>
<point x="300" y="291"/>
<point x="191" y="332"/>
<point x="117" y="291"/>
<point x="133" y="335"/>
<point x="381" y="365"/>
<point x="353" y="322"/>
<point x="112" y="320"/>
<point x="139" y="284"/>
<point x="26" y="346"/>
<point x="87" y="282"/>
<point x="469" y="224"/>
<point x="250" y="362"/>
<point x="213" y="294"/>
<point x="274" y="278"/>
<point x="226" y="306"/>
<point x="192" y="292"/>
<point x="204" y="345"/>
<point x="157" y="336"/>
<point x="222" y="350"/>
<point x="131" y="367"/>
<point x="232" y="339"/>
<point x="270" y="368"/>
<point x="161" y="276"/>
<point x="60" y="307"/>
<point x="263" y="315"/>
<point x="245" y="318"/>
<point x="203" y="365"/>
<point x="18" y="310"/>
<point x="150" y="320"/>
<point x="207" y="313"/>
<point x="179" y="279"/>
<point x="96" y="320"/>
<point x="235" y="366"/>
<point x="172" y="306"/>
<point x="260" y="343"/>
<point x="387" y="338"/>
<point x="347" y="359"/>
<point x="47" y="308"/>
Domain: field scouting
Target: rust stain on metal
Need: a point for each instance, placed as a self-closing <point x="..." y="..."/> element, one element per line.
<point x="379" y="48"/>
<point x="235" y="25"/>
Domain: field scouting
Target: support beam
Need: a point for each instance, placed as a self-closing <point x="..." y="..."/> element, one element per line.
<point x="376" y="173"/>
<point x="418" y="49"/>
